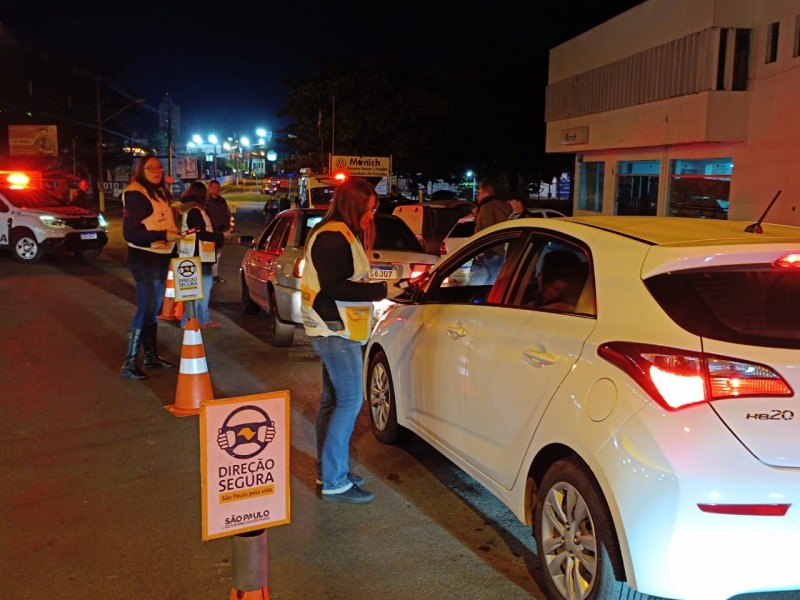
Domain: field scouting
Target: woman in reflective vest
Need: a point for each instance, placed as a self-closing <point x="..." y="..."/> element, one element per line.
<point x="201" y="240"/>
<point x="336" y="303"/>
<point x="148" y="226"/>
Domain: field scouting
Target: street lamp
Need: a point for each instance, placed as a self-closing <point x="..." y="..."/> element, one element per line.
<point x="471" y="174"/>
<point x="101" y="194"/>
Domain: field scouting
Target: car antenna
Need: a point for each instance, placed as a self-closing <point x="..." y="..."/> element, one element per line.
<point x="756" y="227"/>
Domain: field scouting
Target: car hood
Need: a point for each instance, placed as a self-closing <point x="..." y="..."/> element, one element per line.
<point x="768" y="427"/>
<point x="62" y="211"/>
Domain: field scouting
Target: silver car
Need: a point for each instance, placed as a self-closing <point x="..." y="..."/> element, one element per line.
<point x="273" y="265"/>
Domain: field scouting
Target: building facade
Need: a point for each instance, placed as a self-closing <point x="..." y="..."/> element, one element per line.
<point x="683" y="108"/>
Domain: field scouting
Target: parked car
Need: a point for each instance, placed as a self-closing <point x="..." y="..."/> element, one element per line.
<point x="430" y="221"/>
<point x="646" y="427"/>
<point x="34" y="223"/>
<point x="273" y="265"/>
<point x="465" y="227"/>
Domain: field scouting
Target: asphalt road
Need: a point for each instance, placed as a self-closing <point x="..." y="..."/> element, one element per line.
<point x="100" y="493"/>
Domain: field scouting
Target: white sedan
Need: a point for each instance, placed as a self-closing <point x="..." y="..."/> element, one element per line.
<point x="635" y="404"/>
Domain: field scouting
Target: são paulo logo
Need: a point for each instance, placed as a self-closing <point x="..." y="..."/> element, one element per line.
<point x="246" y="432"/>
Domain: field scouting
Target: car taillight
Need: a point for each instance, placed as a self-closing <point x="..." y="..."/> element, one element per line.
<point x="677" y="378"/>
<point x="791" y="261"/>
<point x="297" y="269"/>
<point x="418" y="269"/>
<point x="442" y="249"/>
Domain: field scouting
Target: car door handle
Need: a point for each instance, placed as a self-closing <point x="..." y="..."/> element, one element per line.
<point x="456" y="331"/>
<point x="537" y="358"/>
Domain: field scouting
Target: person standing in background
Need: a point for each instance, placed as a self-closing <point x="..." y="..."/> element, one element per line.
<point x="517" y="203"/>
<point x="491" y="206"/>
<point x="219" y="212"/>
<point x="62" y="190"/>
<point x="202" y="242"/>
<point x="148" y="226"/>
<point x="336" y="303"/>
<point x="81" y="195"/>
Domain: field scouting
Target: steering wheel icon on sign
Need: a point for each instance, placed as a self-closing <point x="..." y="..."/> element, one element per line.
<point x="186" y="268"/>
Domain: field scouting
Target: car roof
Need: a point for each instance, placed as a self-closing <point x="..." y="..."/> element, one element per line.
<point x="689" y="231"/>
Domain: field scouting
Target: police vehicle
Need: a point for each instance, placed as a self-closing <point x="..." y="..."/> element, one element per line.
<point x="35" y="223"/>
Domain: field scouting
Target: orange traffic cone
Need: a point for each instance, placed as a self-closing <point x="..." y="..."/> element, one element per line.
<point x="194" y="382"/>
<point x="170" y="307"/>
<point x="262" y="594"/>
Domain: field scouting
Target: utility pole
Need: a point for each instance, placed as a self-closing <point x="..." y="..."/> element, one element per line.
<point x="101" y="194"/>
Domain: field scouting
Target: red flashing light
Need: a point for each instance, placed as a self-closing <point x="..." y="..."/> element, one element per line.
<point x="340" y="177"/>
<point x="18" y="180"/>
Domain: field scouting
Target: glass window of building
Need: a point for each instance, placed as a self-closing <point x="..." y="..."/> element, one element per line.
<point x="637" y="187"/>
<point x="700" y="188"/>
<point x="592" y="175"/>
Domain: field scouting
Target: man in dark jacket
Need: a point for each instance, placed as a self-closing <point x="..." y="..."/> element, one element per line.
<point x="220" y="214"/>
<point x="492" y="208"/>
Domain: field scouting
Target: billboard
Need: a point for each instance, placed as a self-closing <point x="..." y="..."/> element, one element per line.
<point x="33" y="140"/>
<point x="186" y="167"/>
<point x="362" y="166"/>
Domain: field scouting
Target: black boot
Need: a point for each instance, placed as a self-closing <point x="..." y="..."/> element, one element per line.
<point x="130" y="368"/>
<point x="150" y="344"/>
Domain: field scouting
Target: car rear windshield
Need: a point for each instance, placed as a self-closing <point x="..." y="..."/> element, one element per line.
<point x="462" y="230"/>
<point x="391" y="233"/>
<point x="31" y="198"/>
<point x="441" y="220"/>
<point x="748" y="304"/>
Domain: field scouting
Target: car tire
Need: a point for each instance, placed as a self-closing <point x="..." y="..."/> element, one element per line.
<point x="89" y="253"/>
<point x="382" y="404"/>
<point x="25" y="248"/>
<point x="281" y="333"/>
<point x="569" y="503"/>
<point x="248" y="306"/>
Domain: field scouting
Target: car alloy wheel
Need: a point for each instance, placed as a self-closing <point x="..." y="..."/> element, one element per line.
<point x="574" y="537"/>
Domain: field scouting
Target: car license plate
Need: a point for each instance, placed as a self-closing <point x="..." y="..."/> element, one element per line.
<point x="92" y="235"/>
<point x="382" y="273"/>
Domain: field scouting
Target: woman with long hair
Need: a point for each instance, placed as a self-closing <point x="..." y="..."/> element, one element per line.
<point x="148" y="226"/>
<point x="337" y="298"/>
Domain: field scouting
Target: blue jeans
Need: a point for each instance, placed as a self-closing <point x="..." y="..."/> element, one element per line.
<point x="151" y="283"/>
<point x="342" y="397"/>
<point x="201" y="306"/>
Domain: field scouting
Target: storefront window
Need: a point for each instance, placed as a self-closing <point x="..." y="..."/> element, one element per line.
<point x="591" y="189"/>
<point x="700" y="188"/>
<point x="637" y="187"/>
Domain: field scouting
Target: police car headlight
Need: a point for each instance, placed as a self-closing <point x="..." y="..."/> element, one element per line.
<point x="101" y="220"/>
<point x="52" y="221"/>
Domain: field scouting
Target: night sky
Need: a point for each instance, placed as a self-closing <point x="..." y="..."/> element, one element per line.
<point x="223" y="66"/>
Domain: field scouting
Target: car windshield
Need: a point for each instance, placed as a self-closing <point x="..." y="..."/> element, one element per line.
<point x="748" y="304"/>
<point x="31" y="198"/>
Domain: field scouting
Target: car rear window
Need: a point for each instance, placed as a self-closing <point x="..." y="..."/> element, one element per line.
<point x="748" y="304"/>
<point x="391" y="233"/>
<point x="462" y="230"/>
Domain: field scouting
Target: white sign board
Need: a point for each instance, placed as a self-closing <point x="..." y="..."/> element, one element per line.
<point x="244" y="463"/>
<point x="188" y="274"/>
<point x="362" y="166"/>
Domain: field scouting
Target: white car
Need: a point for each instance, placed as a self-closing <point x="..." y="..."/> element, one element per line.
<point x="646" y="425"/>
<point x="35" y="224"/>
<point x="465" y="227"/>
